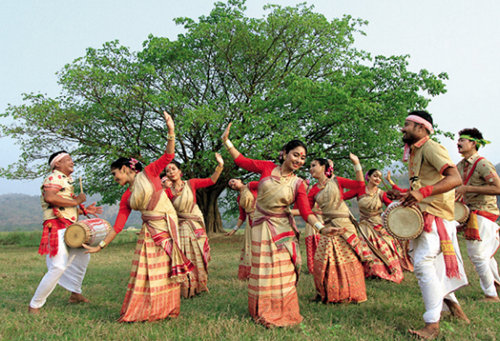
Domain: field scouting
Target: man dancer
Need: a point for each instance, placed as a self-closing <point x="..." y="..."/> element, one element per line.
<point x="437" y="260"/>
<point x="478" y="191"/>
<point x="66" y="266"/>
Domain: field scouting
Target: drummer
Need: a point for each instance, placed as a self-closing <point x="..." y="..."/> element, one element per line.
<point x="433" y="176"/>
<point x="60" y="209"/>
<point x="478" y="191"/>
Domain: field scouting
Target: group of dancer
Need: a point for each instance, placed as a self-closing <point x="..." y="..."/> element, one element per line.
<point x="172" y="253"/>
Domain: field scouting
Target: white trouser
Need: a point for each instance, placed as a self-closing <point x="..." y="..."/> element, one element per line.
<point x="481" y="254"/>
<point x="67" y="269"/>
<point x="431" y="272"/>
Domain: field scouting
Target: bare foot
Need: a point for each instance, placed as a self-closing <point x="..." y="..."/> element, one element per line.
<point x="490" y="299"/>
<point x="429" y="332"/>
<point x="456" y="310"/>
<point x="33" y="311"/>
<point x="77" y="298"/>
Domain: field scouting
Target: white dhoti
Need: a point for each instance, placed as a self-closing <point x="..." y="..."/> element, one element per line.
<point x="481" y="254"/>
<point x="67" y="269"/>
<point x="430" y="270"/>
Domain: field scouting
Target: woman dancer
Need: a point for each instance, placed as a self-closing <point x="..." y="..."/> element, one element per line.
<point x="158" y="265"/>
<point x="272" y="297"/>
<point x="370" y="201"/>
<point x="338" y="273"/>
<point x="246" y="202"/>
<point x="193" y="237"/>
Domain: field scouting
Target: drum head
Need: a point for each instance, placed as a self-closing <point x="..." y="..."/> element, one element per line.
<point x="404" y="222"/>
<point x="75" y="236"/>
<point x="461" y="212"/>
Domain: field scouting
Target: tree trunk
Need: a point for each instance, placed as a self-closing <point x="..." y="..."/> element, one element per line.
<point x="207" y="201"/>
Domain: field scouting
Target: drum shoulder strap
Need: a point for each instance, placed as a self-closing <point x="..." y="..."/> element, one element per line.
<point x="469" y="175"/>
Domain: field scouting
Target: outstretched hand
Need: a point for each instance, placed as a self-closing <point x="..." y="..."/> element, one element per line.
<point x="230" y="233"/>
<point x="91" y="249"/>
<point x="92" y="209"/>
<point x="225" y="136"/>
<point x="169" y="121"/>
<point x="388" y="177"/>
<point x="333" y="231"/>
<point x="354" y="158"/>
<point x="219" y="159"/>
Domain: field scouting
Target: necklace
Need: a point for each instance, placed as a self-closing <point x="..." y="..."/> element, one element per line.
<point x="323" y="184"/>
<point x="371" y="192"/>
<point x="178" y="190"/>
<point x="285" y="177"/>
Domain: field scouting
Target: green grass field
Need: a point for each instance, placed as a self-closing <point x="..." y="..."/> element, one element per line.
<point x="221" y="314"/>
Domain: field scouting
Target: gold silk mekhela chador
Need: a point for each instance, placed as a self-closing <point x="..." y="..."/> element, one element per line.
<point x="338" y="273"/>
<point x="193" y="240"/>
<point x="247" y="203"/>
<point x="158" y="265"/>
<point x="272" y="296"/>
<point x="370" y="210"/>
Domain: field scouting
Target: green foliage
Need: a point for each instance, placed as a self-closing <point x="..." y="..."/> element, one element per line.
<point x="290" y="74"/>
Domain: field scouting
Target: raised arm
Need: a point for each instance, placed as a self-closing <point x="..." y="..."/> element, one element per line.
<point x="218" y="169"/>
<point x="357" y="167"/>
<point x="227" y="143"/>
<point x="155" y="168"/>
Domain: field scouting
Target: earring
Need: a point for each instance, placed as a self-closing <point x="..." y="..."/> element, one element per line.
<point x="123" y="171"/>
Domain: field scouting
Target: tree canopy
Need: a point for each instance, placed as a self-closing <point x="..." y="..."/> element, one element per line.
<point x="290" y="74"/>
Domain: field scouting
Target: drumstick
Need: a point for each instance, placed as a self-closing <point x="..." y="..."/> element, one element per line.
<point x="385" y="185"/>
<point x="81" y="205"/>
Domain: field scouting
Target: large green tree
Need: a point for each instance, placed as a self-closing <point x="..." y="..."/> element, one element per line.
<point x="290" y="74"/>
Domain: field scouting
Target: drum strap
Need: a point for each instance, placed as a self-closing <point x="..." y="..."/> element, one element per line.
<point x="469" y="175"/>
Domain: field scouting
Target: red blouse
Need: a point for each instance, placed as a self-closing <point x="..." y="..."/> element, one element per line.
<point x="343" y="183"/>
<point x="153" y="171"/>
<point x="252" y="186"/>
<point x="265" y="168"/>
<point x="195" y="184"/>
<point x="361" y="191"/>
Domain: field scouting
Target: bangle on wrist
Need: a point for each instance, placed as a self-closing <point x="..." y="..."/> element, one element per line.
<point x="219" y="168"/>
<point x="103" y="245"/>
<point x="357" y="167"/>
<point x="236" y="228"/>
<point x="319" y="226"/>
<point x="228" y="144"/>
<point x="170" y="137"/>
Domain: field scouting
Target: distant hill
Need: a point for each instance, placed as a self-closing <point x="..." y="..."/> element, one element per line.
<point x="21" y="212"/>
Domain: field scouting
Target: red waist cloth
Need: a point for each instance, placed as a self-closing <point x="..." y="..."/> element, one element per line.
<point x="50" y="239"/>
<point x="487" y="215"/>
<point x="450" y="257"/>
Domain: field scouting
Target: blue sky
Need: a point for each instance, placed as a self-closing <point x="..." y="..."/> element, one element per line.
<point x="37" y="38"/>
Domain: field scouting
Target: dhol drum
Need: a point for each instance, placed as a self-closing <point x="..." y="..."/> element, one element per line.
<point x="403" y="223"/>
<point x="89" y="231"/>
<point x="461" y="213"/>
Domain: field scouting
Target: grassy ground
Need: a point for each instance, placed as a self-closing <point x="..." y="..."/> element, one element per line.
<point x="221" y="314"/>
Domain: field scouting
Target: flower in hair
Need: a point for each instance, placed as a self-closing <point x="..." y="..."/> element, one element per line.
<point x="133" y="162"/>
<point x="329" y="171"/>
<point x="367" y="178"/>
<point x="281" y="154"/>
